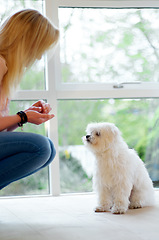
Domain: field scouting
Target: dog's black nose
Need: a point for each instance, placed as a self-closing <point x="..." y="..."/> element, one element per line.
<point x="88" y="136"/>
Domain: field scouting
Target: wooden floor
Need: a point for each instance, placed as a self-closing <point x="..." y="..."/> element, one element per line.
<point x="72" y="217"/>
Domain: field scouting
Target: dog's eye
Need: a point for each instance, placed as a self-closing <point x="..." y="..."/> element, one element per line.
<point x="98" y="134"/>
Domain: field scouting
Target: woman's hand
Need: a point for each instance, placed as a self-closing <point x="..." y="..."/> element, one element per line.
<point x="37" y="118"/>
<point x="39" y="112"/>
<point x="41" y="107"/>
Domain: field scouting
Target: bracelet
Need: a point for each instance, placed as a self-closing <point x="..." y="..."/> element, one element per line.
<point x="23" y="117"/>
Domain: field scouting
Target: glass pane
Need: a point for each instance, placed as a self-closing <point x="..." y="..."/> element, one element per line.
<point x="37" y="183"/>
<point x="137" y="119"/>
<point x="34" y="78"/>
<point x="109" y="45"/>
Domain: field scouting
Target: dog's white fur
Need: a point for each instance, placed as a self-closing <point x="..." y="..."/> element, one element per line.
<point x="120" y="179"/>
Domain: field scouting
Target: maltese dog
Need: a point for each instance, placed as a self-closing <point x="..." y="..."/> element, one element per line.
<point x="121" y="180"/>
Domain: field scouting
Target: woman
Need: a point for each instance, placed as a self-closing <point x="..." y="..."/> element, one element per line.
<point x="24" y="38"/>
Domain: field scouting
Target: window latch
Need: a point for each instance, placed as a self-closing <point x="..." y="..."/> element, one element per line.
<point x="121" y="85"/>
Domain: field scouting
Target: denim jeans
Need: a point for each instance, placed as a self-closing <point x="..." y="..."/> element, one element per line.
<point x="22" y="154"/>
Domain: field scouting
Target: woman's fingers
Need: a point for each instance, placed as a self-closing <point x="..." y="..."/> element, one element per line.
<point x="38" y="118"/>
<point x="45" y="107"/>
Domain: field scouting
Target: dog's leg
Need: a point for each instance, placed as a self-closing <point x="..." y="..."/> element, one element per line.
<point x="121" y="201"/>
<point x="136" y="199"/>
<point x="104" y="200"/>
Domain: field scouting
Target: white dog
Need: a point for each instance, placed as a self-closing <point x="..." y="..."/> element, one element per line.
<point x="120" y="179"/>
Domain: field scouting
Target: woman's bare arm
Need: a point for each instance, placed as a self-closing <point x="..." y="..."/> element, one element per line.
<point x="9" y="121"/>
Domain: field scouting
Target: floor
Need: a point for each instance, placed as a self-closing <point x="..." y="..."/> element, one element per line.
<point x="72" y="217"/>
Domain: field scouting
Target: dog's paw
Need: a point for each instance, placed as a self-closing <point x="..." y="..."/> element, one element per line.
<point x="118" y="210"/>
<point x="101" y="209"/>
<point x="135" y="205"/>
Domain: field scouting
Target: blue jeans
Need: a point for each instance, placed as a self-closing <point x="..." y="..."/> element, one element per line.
<point x="22" y="154"/>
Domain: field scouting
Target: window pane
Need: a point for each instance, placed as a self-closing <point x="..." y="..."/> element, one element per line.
<point x="37" y="183"/>
<point x="109" y="45"/>
<point x="137" y="119"/>
<point x="34" y="78"/>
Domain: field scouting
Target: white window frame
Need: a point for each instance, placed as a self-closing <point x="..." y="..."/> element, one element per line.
<point x="60" y="91"/>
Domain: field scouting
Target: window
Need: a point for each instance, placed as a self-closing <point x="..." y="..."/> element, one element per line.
<point x="38" y="183"/>
<point x="109" y="40"/>
<point x="137" y="119"/>
<point x="105" y="68"/>
<point x="34" y="80"/>
<point x="109" y="72"/>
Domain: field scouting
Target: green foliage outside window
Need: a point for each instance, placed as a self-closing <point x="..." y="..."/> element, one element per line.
<point x="109" y="45"/>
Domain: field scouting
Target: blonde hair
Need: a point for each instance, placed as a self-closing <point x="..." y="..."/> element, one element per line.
<point x="24" y="37"/>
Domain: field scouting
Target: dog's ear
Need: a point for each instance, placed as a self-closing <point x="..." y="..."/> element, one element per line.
<point x="115" y="131"/>
<point x="90" y="127"/>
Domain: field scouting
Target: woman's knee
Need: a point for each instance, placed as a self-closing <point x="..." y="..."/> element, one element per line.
<point x="47" y="150"/>
<point x="53" y="150"/>
<point x="36" y="149"/>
